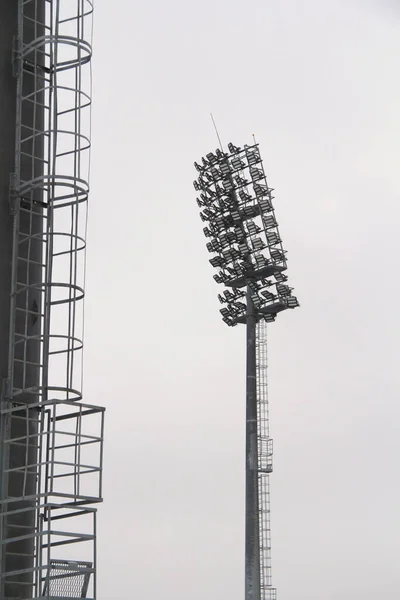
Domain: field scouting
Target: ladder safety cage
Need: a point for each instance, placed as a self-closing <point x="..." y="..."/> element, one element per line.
<point x="51" y="442"/>
<point x="265" y="448"/>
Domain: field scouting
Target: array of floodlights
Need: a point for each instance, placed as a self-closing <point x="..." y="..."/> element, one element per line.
<point x="242" y="234"/>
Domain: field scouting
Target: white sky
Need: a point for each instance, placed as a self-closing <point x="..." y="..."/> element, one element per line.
<point x="318" y="83"/>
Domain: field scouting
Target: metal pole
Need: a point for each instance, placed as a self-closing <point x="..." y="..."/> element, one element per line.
<point x="18" y="555"/>
<point x="252" y="534"/>
<point x="8" y="91"/>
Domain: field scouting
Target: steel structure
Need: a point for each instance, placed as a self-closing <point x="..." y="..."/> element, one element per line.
<point x="243" y="237"/>
<point x="51" y="443"/>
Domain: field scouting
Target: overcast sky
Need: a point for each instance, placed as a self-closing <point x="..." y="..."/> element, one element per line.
<point x="317" y="82"/>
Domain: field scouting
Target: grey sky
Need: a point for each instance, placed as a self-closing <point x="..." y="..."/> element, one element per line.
<point x="318" y="84"/>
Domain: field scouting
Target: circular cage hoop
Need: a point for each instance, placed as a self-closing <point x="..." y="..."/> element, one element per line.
<point x="79" y="292"/>
<point x="77" y="343"/>
<point x="43" y="237"/>
<point x="83" y="50"/>
<point x="79" y="188"/>
<point x="78" y="240"/>
<point x="63" y="88"/>
<point x="70" y="394"/>
<point x="62" y="135"/>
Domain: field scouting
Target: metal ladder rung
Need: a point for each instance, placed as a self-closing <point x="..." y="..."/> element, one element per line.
<point x="28" y="362"/>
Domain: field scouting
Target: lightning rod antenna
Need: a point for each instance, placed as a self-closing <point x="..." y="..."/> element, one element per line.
<point x="216" y="131"/>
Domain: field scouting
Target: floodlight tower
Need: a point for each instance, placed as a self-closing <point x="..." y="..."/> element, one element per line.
<point x="50" y="441"/>
<point x="242" y="232"/>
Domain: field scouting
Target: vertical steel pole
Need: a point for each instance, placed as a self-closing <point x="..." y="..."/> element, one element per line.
<point x="19" y="555"/>
<point x="8" y="94"/>
<point x="252" y="532"/>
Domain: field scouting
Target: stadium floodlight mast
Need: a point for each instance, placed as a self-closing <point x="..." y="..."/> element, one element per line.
<point x="242" y="234"/>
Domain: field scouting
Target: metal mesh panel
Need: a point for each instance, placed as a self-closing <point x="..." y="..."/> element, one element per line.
<point x="67" y="579"/>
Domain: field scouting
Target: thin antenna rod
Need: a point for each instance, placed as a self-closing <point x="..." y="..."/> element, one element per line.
<point x="216" y="131"/>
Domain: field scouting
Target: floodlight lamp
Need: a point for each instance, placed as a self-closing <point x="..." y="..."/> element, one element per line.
<point x="253" y="157"/>
<point x="215" y="173"/>
<point x="241" y="181"/>
<point x="270" y="222"/>
<point x="272" y="238"/>
<point x="255" y="173"/>
<point x="225" y="168"/>
<point x="269" y="318"/>
<point x="224" y="238"/>
<point x="214" y="245"/>
<point x="211" y="158"/>
<point x="260" y="190"/>
<point x="252" y="228"/>
<point x="219" y="190"/>
<point x="207" y="198"/>
<point x="198" y="167"/>
<point x="217" y="261"/>
<point x="239" y="293"/>
<point x="253" y="286"/>
<point x="238" y="164"/>
<point x="260" y="260"/>
<point x="208" y="177"/>
<point x="244" y="196"/>
<point x="233" y="236"/>
<point x="281" y="277"/>
<point x="243" y="249"/>
<point x="255" y="299"/>
<point x="218" y="278"/>
<point x="283" y="290"/>
<point x="268" y="295"/>
<point x="227" y="184"/>
<point x="223" y="205"/>
<point x="240" y="306"/>
<point x="257" y="244"/>
<point x="277" y="255"/>
<point x="292" y="302"/>
<point x="265" y="205"/>
<point x="227" y="255"/>
<point x="233" y="310"/>
<point x="233" y="149"/>
<point x="196" y="185"/>
<point x="224" y="244"/>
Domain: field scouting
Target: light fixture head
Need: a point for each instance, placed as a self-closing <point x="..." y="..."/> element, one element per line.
<point x="242" y="231"/>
